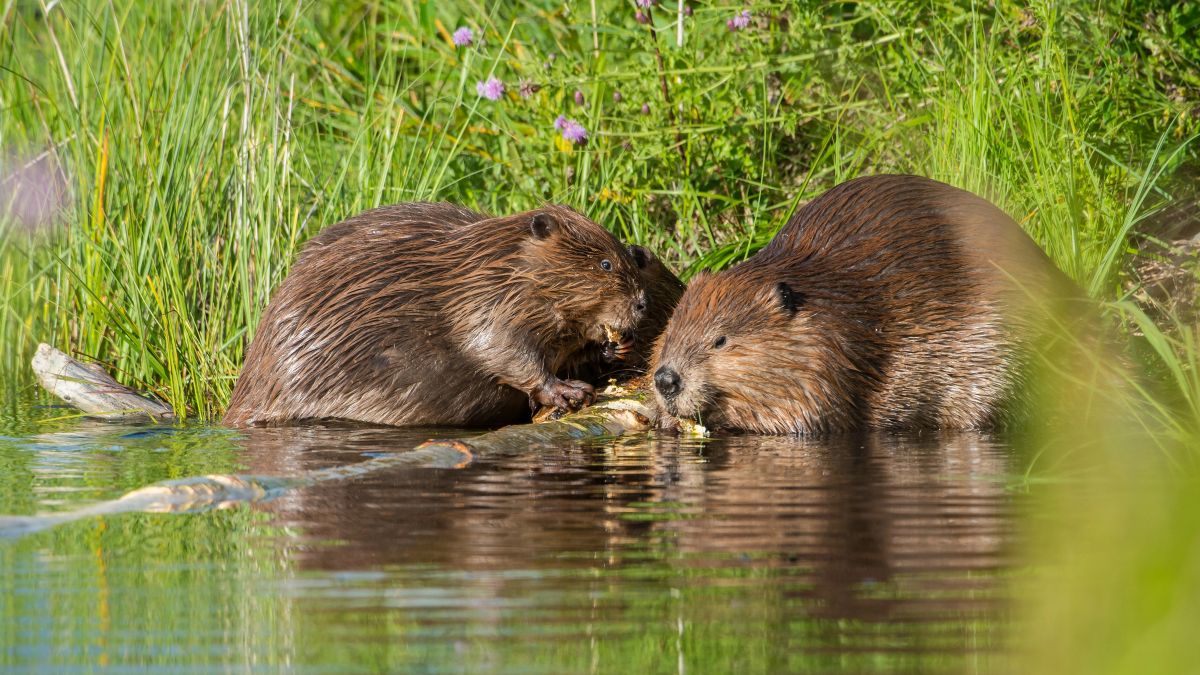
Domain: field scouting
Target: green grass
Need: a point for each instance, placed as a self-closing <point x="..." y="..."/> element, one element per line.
<point x="202" y="143"/>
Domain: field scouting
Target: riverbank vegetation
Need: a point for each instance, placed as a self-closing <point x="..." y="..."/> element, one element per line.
<point x="180" y="153"/>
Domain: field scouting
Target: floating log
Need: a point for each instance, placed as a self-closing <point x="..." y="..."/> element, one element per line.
<point x="618" y="411"/>
<point x="92" y="390"/>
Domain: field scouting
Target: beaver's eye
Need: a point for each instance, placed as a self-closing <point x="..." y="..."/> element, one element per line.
<point x="719" y="342"/>
<point x="606" y="265"/>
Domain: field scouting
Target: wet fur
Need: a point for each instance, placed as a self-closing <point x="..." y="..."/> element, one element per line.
<point x="906" y="303"/>
<point x="432" y="314"/>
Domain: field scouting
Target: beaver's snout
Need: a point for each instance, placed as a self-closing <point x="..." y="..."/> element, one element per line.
<point x="668" y="382"/>
<point x="639" y="305"/>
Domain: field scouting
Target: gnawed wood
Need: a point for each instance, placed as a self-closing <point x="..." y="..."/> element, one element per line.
<point x="87" y="387"/>
<point x="618" y="411"/>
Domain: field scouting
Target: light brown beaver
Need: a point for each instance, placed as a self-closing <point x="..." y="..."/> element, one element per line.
<point x="432" y="314"/>
<point x="888" y="302"/>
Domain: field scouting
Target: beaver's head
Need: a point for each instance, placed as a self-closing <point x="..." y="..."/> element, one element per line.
<point x="588" y="279"/>
<point x="759" y="350"/>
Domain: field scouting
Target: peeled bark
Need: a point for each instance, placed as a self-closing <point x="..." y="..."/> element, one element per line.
<point x="87" y="387"/>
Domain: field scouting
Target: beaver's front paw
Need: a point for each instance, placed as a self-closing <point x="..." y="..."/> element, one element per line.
<point x="566" y="394"/>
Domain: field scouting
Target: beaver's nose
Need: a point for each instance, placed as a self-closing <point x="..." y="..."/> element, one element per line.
<point x="667" y="381"/>
<point x="639" y="304"/>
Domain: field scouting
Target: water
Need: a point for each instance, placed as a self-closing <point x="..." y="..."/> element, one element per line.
<point x="743" y="554"/>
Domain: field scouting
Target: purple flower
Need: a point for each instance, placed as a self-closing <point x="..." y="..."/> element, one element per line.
<point x="578" y="97"/>
<point x="616" y="97"/>
<point x="645" y="108"/>
<point x="687" y="10"/>
<point x="463" y="37"/>
<point x="571" y="130"/>
<point x="492" y="89"/>
<point x="642" y="17"/>
<point x="739" y="21"/>
<point x="645" y="4"/>
<point x="575" y="133"/>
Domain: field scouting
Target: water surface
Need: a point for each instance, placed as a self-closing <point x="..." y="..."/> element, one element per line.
<point x="746" y="554"/>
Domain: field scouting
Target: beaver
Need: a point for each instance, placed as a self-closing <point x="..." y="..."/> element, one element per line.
<point x="893" y="302"/>
<point x="433" y="314"/>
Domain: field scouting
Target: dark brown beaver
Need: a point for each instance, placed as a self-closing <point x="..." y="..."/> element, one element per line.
<point x="432" y="314"/>
<point x="888" y="301"/>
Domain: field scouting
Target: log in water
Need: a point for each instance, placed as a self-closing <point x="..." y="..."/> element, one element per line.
<point x="87" y="387"/>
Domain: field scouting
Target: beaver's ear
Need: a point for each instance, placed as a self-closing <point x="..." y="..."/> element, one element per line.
<point x="789" y="300"/>
<point x="542" y="225"/>
<point x="640" y="255"/>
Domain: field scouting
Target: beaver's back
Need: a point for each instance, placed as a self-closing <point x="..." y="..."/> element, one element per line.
<point x="907" y="230"/>
<point x="376" y="279"/>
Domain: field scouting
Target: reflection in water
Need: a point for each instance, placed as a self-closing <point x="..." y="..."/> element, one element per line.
<point x="894" y="533"/>
<point x="632" y="555"/>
